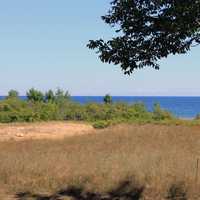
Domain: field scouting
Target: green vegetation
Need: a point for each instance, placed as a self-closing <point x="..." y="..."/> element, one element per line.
<point x="59" y="106"/>
<point x="101" y="124"/>
<point x="107" y="99"/>
<point x="147" y="31"/>
<point x="12" y="94"/>
<point x="160" y="114"/>
<point x="34" y="95"/>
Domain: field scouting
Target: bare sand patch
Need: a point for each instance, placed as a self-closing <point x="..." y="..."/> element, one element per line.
<point x="43" y="130"/>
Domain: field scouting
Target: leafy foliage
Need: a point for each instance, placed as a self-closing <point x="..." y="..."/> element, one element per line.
<point x="61" y="95"/>
<point x="160" y="114"/>
<point x="107" y="99"/>
<point x="35" y="95"/>
<point x="13" y="94"/>
<point x="101" y="124"/>
<point x="49" y="96"/>
<point x="148" y="30"/>
<point x="59" y="106"/>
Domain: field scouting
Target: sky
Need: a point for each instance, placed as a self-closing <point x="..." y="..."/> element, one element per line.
<point x="43" y="45"/>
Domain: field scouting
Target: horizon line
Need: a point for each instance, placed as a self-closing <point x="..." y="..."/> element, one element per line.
<point x="124" y="95"/>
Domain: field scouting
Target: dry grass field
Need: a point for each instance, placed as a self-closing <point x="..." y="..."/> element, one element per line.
<point x="120" y="162"/>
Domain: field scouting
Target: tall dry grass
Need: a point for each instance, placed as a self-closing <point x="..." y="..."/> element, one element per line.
<point x="162" y="159"/>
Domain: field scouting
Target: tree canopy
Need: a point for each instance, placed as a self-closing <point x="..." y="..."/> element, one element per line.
<point x="35" y="95"/>
<point x="107" y="99"/>
<point x="148" y="30"/>
<point x="13" y="94"/>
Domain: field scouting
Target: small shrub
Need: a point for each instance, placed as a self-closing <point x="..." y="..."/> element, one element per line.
<point x="159" y="114"/>
<point x="101" y="124"/>
<point x="107" y="99"/>
<point x="75" y="111"/>
<point x="50" y="96"/>
<point x="13" y="94"/>
<point x="5" y="117"/>
<point x="35" y="95"/>
<point x="61" y="96"/>
<point x="139" y="111"/>
<point x="95" y="112"/>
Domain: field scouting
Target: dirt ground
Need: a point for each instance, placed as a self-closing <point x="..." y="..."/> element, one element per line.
<point x="43" y="130"/>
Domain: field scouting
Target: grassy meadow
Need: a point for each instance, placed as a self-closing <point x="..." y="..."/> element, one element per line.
<point x="131" y="154"/>
<point x="120" y="162"/>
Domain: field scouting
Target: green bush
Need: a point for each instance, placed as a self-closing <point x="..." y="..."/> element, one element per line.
<point x="5" y="117"/>
<point x="139" y="111"/>
<point x="101" y="124"/>
<point x="95" y="112"/>
<point x="11" y="104"/>
<point x="45" y="111"/>
<point x="61" y="97"/>
<point x="107" y="99"/>
<point x="58" y="106"/>
<point x="75" y="111"/>
<point x="13" y="94"/>
<point x="159" y="114"/>
<point x="50" y="96"/>
<point x="35" y="95"/>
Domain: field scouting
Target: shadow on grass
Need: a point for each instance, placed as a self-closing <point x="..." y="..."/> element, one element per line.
<point x="177" y="192"/>
<point x="126" y="191"/>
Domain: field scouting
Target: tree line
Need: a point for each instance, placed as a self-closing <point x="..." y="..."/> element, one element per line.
<point x="58" y="105"/>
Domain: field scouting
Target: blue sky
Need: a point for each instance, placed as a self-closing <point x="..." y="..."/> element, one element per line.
<point x="43" y="45"/>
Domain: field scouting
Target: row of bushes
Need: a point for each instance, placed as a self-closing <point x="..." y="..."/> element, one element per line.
<point x="58" y="106"/>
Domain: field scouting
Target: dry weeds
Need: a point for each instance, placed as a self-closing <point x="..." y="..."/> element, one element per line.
<point x="157" y="157"/>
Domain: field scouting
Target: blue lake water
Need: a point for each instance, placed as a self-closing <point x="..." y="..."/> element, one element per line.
<point x="184" y="107"/>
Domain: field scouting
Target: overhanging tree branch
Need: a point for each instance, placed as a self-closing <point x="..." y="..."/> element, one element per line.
<point x="148" y="30"/>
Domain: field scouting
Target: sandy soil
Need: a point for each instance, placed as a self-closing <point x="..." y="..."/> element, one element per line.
<point x="44" y="130"/>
